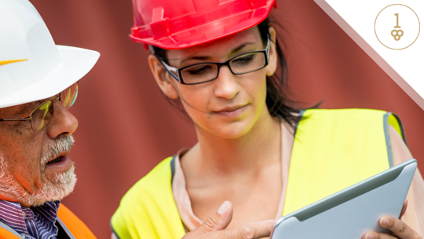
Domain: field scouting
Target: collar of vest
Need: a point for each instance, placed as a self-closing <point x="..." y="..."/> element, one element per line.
<point x="68" y="224"/>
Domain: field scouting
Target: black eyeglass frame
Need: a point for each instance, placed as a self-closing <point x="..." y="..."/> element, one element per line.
<point x="180" y="79"/>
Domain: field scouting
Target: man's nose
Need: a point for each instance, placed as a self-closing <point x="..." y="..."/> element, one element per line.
<point x="63" y="122"/>
<point x="227" y="86"/>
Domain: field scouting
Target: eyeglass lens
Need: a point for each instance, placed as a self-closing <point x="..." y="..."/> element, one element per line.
<point x="42" y="115"/>
<point x="208" y="71"/>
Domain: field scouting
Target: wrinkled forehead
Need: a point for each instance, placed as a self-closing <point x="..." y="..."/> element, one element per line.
<point x="17" y="110"/>
<point x="217" y="47"/>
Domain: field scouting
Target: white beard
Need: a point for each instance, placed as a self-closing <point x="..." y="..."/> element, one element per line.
<point x="61" y="186"/>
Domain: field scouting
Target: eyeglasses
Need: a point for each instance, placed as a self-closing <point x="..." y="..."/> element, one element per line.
<point x="42" y="115"/>
<point x="209" y="71"/>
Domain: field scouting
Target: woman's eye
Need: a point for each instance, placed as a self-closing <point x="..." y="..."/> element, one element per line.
<point x="199" y="70"/>
<point x="244" y="59"/>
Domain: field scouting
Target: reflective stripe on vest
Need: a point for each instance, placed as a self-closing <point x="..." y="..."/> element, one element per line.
<point x="332" y="150"/>
<point x="8" y="232"/>
<point x="70" y="223"/>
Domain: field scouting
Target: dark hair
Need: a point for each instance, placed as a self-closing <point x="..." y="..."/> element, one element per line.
<point x="277" y="101"/>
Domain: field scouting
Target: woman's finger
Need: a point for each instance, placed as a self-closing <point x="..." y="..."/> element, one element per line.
<point x="250" y="231"/>
<point x="405" y="206"/>
<point x="398" y="228"/>
<point x="376" y="235"/>
<point x="217" y="222"/>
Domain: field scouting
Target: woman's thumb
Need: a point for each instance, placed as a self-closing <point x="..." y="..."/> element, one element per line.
<point x="219" y="221"/>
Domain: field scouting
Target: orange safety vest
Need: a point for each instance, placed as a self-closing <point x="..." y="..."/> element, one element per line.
<point x="71" y="225"/>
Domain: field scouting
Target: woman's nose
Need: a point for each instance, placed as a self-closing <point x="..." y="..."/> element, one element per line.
<point x="226" y="85"/>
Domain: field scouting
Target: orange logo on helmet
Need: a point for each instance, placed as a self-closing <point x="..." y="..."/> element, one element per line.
<point x="11" y="61"/>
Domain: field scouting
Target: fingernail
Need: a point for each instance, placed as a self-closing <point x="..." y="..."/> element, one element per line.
<point x="384" y="221"/>
<point x="369" y="236"/>
<point x="223" y="207"/>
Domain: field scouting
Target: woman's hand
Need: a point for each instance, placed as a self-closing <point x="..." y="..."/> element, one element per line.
<point x="215" y="227"/>
<point x="396" y="226"/>
<point x="399" y="229"/>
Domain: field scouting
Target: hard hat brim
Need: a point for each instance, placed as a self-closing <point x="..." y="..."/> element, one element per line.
<point x="76" y="63"/>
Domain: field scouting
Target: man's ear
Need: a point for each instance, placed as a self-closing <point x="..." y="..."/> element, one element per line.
<point x="162" y="77"/>
<point x="272" y="61"/>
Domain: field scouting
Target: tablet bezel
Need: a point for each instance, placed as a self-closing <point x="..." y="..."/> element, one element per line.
<point x="347" y="194"/>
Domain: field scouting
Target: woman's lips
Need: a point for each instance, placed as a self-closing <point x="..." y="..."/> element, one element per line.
<point x="232" y="113"/>
<point x="60" y="164"/>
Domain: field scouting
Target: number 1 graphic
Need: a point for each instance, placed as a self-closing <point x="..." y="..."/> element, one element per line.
<point x="397" y="20"/>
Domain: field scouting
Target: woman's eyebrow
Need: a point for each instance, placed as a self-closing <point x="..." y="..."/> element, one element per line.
<point x="235" y="50"/>
<point x="196" y="58"/>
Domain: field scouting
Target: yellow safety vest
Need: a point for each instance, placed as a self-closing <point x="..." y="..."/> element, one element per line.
<point x="332" y="150"/>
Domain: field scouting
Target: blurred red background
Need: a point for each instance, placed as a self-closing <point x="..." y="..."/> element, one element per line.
<point x="126" y="126"/>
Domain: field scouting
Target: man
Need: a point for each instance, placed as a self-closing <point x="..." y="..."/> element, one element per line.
<point x="38" y="83"/>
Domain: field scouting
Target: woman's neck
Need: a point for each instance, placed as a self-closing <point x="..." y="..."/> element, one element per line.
<point x="259" y="147"/>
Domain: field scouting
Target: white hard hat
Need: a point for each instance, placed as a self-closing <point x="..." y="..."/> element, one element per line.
<point x="32" y="67"/>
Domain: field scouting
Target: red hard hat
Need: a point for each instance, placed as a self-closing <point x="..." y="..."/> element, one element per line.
<point x="176" y="24"/>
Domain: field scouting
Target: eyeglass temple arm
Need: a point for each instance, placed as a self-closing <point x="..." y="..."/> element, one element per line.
<point x="267" y="48"/>
<point x="26" y="119"/>
<point x="169" y="69"/>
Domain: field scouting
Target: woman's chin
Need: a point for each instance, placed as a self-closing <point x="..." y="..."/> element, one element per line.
<point x="232" y="130"/>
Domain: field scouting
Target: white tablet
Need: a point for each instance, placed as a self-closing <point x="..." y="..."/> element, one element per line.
<point x="351" y="212"/>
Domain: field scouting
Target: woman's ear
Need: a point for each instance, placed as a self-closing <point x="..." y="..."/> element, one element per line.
<point x="272" y="61"/>
<point x="162" y="77"/>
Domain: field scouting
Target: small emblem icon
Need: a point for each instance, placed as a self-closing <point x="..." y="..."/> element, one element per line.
<point x="397" y="34"/>
<point x="404" y="33"/>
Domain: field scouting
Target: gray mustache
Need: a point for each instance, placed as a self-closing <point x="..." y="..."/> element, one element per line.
<point x="61" y="143"/>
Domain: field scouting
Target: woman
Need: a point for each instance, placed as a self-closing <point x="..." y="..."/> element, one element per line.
<point x="223" y="62"/>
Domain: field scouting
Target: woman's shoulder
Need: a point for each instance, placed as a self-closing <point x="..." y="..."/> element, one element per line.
<point x="160" y="176"/>
<point x="350" y="120"/>
<point x="347" y="116"/>
<point x="342" y="111"/>
<point x="146" y="203"/>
